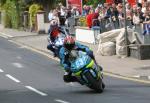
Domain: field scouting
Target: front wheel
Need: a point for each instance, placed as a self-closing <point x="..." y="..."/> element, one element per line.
<point x="93" y="83"/>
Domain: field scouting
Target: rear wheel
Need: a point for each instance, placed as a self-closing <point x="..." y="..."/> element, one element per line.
<point x="95" y="84"/>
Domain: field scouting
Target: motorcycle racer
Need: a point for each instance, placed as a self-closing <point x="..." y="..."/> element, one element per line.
<point x="70" y="44"/>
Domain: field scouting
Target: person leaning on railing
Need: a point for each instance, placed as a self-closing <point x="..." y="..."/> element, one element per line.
<point x="146" y="23"/>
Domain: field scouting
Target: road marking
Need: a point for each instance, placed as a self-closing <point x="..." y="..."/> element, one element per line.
<point x="61" y="101"/>
<point x="12" y="78"/>
<point x="142" y="77"/>
<point x="35" y="90"/>
<point x="126" y="78"/>
<point x="22" y="47"/>
<point x="5" y="35"/>
<point x="18" y="65"/>
<point x="1" y="71"/>
<point x="136" y="76"/>
<point x="148" y="77"/>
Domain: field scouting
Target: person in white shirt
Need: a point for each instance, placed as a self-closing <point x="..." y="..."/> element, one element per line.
<point x="50" y="15"/>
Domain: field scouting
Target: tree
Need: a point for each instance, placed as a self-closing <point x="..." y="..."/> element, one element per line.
<point x="2" y="2"/>
<point x="12" y="10"/>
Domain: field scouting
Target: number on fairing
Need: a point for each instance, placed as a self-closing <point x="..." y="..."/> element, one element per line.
<point x="79" y="63"/>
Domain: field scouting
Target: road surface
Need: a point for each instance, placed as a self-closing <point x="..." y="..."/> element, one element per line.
<point x="29" y="77"/>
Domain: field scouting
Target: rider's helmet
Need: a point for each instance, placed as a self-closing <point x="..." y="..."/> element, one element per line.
<point x="69" y="42"/>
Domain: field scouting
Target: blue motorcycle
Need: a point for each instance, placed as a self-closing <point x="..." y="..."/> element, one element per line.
<point x="86" y="71"/>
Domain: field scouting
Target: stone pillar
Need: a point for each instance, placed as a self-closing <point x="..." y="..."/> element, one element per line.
<point x="40" y="22"/>
<point x="0" y="17"/>
<point x="25" y="19"/>
<point x="3" y="18"/>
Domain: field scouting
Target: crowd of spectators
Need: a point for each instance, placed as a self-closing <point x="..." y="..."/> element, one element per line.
<point x="107" y="14"/>
<point x="61" y="14"/>
<point x="114" y="15"/>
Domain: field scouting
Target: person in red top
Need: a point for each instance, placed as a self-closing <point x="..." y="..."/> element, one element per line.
<point x="90" y="17"/>
<point x="89" y="20"/>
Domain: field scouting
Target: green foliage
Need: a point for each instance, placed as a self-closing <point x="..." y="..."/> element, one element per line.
<point x="2" y="2"/>
<point x="12" y="13"/>
<point x="33" y="9"/>
<point x="7" y="21"/>
<point x="92" y="2"/>
<point x="82" y="21"/>
<point x="61" y="1"/>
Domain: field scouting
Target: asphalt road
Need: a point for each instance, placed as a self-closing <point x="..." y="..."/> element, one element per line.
<point x="29" y="77"/>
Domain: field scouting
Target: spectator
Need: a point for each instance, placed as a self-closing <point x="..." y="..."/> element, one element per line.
<point x="144" y="7"/>
<point x="75" y="12"/>
<point x="68" y="15"/>
<point x="134" y="8"/>
<point x="120" y="15"/>
<point x="136" y="18"/>
<point x="84" y="11"/>
<point x="128" y="12"/>
<point x="140" y="13"/>
<point x="146" y="16"/>
<point x="100" y="8"/>
<point x="108" y="11"/>
<point x="139" y="5"/>
<point x="50" y="15"/>
<point x="95" y="20"/>
<point x="62" y="15"/>
<point x="62" y="11"/>
<point x="114" y="13"/>
<point x="114" y="18"/>
<point x="68" y="12"/>
<point x="117" y="1"/>
<point x="55" y="18"/>
<point x="89" y="18"/>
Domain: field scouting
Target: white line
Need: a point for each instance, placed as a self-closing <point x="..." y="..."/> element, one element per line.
<point x="22" y="47"/>
<point x="35" y="90"/>
<point x="6" y="35"/>
<point x="18" y="65"/>
<point x="13" y="78"/>
<point x="136" y="76"/>
<point x="1" y="71"/>
<point x="148" y="77"/>
<point x="61" y="101"/>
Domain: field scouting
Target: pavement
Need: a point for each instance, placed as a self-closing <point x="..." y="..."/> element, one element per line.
<point x="126" y="67"/>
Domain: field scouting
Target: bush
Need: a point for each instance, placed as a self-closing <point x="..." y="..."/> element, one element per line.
<point x="93" y="2"/>
<point x="82" y="21"/>
<point x="33" y="9"/>
<point x="7" y="21"/>
<point x="12" y="13"/>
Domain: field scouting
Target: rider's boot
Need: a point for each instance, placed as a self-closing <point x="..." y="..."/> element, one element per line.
<point x="54" y="55"/>
<point x="69" y="78"/>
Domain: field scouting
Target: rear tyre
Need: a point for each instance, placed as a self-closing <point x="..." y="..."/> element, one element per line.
<point x="95" y="84"/>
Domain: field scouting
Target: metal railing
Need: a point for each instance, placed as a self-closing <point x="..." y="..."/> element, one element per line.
<point x="107" y="25"/>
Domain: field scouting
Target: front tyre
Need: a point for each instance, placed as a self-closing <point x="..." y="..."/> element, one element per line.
<point x="93" y="83"/>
